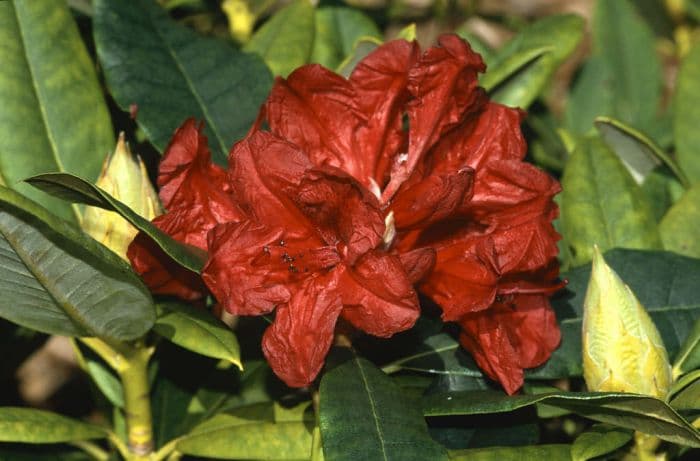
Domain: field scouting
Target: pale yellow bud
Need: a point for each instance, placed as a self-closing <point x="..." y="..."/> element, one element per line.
<point x="125" y="178"/>
<point x="622" y="349"/>
<point x="240" y="19"/>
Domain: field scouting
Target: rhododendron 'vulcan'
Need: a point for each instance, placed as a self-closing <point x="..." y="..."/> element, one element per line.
<point x="348" y="193"/>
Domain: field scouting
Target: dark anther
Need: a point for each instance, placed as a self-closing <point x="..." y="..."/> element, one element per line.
<point x="266" y="249"/>
<point x="293" y="268"/>
<point x="282" y="243"/>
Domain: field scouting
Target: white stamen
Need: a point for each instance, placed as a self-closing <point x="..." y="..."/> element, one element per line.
<point x="402" y="158"/>
<point x="389" y="230"/>
<point x="374" y="188"/>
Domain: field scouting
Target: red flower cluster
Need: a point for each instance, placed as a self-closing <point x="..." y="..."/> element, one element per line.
<point x="358" y="190"/>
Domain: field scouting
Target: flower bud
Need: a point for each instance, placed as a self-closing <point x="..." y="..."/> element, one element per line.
<point x="622" y="349"/>
<point x="240" y="18"/>
<point x="125" y="178"/>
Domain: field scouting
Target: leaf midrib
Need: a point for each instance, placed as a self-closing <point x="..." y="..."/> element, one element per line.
<point x="68" y="309"/>
<point x="190" y="84"/>
<point x="42" y="109"/>
<point x="372" y="404"/>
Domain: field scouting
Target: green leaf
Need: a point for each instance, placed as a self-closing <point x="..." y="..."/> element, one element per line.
<point x="623" y="77"/>
<point x="632" y="411"/>
<point x="104" y="377"/>
<point x="171" y="73"/>
<point x="689" y="397"/>
<point x="679" y="227"/>
<point x="601" y="204"/>
<point x="521" y="77"/>
<point x="52" y="116"/>
<point x="261" y="431"/>
<point x="57" y="280"/>
<point x="286" y="40"/>
<point x="337" y="31"/>
<point x="599" y="440"/>
<point x="78" y="190"/>
<point x="28" y="425"/>
<point x="198" y="331"/>
<point x="526" y="453"/>
<point x="686" y="115"/>
<point x="638" y="153"/>
<point x="688" y="357"/>
<point x="364" y="415"/>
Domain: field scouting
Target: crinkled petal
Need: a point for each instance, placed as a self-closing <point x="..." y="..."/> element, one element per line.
<point x="262" y="170"/>
<point x="508" y="193"/>
<point x="341" y="210"/>
<point x="527" y="247"/>
<point x="380" y="81"/>
<point x="378" y="298"/>
<point x="515" y="334"/>
<point x="188" y="179"/>
<point x="297" y="342"/>
<point x="444" y="87"/>
<point x="252" y="267"/>
<point x="432" y="199"/>
<point x="418" y="263"/>
<point x="464" y="278"/>
<point x="314" y="108"/>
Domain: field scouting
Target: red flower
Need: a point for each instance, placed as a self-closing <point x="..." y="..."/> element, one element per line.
<point x="402" y="174"/>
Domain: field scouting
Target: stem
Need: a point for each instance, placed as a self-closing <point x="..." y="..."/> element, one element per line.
<point x="137" y="403"/>
<point x="131" y="364"/>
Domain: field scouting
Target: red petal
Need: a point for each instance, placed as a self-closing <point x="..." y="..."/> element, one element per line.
<point x="378" y="298"/>
<point x="341" y="210"/>
<point x="197" y="197"/>
<point x="297" y="343"/>
<point x="510" y="337"/>
<point x="432" y="199"/>
<point x="188" y="179"/>
<point x="314" y="108"/>
<point x="444" y="88"/>
<point x="262" y="170"/>
<point x="418" y="263"/>
<point x="465" y="277"/>
<point x="252" y="267"/>
<point x="380" y="81"/>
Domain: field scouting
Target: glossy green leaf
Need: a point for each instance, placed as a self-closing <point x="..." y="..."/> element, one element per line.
<point x="521" y="77"/>
<point x="57" y="280"/>
<point x="638" y="153"/>
<point x="261" y="431"/>
<point x="688" y="398"/>
<point x="337" y="31"/>
<point x="599" y="440"/>
<point x="78" y="190"/>
<point x="679" y="227"/>
<point x="632" y="411"/>
<point x="171" y="73"/>
<point x="53" y="116"/>
<point x="622" y="79"/>
<point x="602" y="205"/>
<point x="364" y="415"/>
<point x="198" y="331"/>
<point x="688" y="357"/>
<point x="29" y="425"/>
<point x="686" y="115"/>
<point x="286" y="40"/>
<point x="526" y="453"/>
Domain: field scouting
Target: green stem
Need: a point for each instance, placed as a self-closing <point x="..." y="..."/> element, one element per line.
<point x="131" y="364"/>
<point x="137" y="403"/>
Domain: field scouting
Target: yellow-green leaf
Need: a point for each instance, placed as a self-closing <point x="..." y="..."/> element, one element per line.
<point x="28" y="425"/>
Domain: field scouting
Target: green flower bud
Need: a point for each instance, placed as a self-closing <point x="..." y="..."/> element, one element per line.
<point x="622" y="349"/>
<point x="124" y="177"/>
